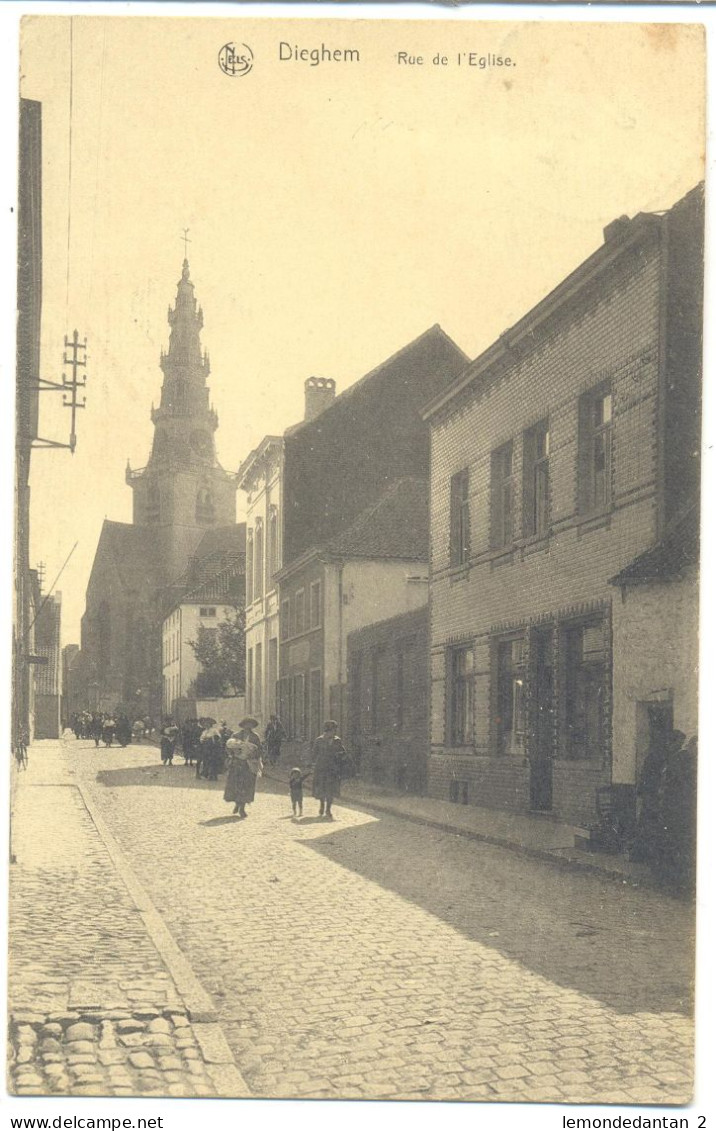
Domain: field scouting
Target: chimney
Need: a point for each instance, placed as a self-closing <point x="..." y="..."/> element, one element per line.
<point x="320" y="392"/>
<point x="616" y="229"/>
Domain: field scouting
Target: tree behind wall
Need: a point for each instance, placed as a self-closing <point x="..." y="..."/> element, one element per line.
<point x="221" y="651"/>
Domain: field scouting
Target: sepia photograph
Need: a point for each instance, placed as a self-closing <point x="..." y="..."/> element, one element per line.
<point x="354" y="712"/>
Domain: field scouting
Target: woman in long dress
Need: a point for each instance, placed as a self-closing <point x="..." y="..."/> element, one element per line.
<point x="244" y="765"/>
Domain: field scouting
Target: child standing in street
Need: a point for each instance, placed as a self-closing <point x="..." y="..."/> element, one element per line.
<point x="295" y="786"/>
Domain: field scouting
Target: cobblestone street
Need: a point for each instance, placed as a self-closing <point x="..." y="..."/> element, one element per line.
<point x="377" y="958"/>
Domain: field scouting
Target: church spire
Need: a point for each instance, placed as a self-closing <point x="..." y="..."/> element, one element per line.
<point x="184" y="357"/>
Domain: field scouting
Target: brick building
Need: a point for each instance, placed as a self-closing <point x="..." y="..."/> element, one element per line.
<point x="562" y="453"/>
<point x="387" y="730"/>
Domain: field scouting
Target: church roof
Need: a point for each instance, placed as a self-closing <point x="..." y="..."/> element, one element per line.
<point x="134" y="552"/>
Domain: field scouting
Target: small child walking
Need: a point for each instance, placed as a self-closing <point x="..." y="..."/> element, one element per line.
<point x="295" y="787"/>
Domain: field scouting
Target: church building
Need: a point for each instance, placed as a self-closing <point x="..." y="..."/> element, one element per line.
<point x="181" y="494"/>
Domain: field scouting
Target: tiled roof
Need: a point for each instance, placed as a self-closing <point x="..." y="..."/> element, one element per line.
<point x="397" y="526"/>
<point x="670" y="558"/>
<point x="217" y="568"/>
<point x="456" y="359"/>
<point x="228" y="585"/>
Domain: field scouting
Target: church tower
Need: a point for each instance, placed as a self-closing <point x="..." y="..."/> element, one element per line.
<point x="183" y="490"/>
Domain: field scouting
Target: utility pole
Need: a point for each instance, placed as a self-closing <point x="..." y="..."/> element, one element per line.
<point x="68" y="387"/>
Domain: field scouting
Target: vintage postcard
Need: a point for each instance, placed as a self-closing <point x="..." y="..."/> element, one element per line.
<point x="356" y="575"/>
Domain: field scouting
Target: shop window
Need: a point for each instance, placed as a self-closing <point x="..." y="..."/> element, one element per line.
<point x="461" y="671"/>
<point x="585" y="684"/>
<point x="509" y="719"/>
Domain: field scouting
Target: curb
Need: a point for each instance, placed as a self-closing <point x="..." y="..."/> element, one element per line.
<point x="567" y="862"/>
<point x="200" y="1008"/>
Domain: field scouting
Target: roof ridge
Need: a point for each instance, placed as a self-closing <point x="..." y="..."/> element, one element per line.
<point x="294" y="428"/>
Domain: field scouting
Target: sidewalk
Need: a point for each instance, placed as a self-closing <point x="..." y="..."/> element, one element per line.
<point x="531" y="834"/>
<point x="101" y="1001"/>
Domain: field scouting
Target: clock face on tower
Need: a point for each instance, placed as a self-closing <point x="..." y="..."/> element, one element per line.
<point x="200" y="443"/>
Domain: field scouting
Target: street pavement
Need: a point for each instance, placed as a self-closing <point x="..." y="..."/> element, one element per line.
<point x="375" y="958"/>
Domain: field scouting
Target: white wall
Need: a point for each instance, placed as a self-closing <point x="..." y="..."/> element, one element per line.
<point x="375" y="590"/>
<point x="655" y="658"/>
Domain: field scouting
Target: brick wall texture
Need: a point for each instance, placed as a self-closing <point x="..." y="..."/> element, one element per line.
<point x="610" y="331"/>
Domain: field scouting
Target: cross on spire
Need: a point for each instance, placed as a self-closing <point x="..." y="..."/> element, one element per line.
<point x="186" y="240"/>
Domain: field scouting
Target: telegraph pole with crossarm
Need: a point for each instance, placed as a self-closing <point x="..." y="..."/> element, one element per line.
<point x="68" y="387"/>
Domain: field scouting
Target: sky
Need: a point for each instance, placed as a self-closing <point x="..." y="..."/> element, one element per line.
<point x="335" y="212"/>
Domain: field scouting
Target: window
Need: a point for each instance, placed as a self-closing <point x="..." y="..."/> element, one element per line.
<point x="259" y="559"/>
<point x="204" y="506"/>
<point x="459" y="519"/>
<point x="249" y="677"/>
<point x="595" y="450"/>
<point x="273" y="557"/>
<point x="585" y="682"/>
<point x="285" y="619"/>
<point x="257" y="703"/>
<point x="205" y="611"/>
<point x="316" y="705"/>
<point x="300" y="611"/>
<point x="315" y="604"/>
<point x="501" y="497"/>
<point x="461" y="676"/>
<point x="249" y="567"/>
<point x="509" y="719"/>
<point x="535" y="510"/>
<point x="298" y="708"/>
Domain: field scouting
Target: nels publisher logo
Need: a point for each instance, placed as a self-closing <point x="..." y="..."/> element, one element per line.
<point x="236" y="59"/>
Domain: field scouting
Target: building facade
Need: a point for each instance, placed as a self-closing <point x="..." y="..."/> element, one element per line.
<point x="373" y="570"/>
<point x="388" y="712"/>
<point x="261" y="477"/>
<point x="655" y="631"/>
<point x="562" y="454"/>
<point x="27" y="376"/>
<point x="211" y="593"/>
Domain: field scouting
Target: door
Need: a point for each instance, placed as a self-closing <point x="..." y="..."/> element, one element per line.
<point x="542" y="728"/>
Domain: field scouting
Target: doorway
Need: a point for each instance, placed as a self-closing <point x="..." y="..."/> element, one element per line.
<point x="541" y="736"/>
